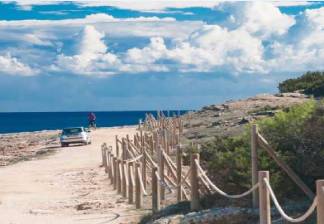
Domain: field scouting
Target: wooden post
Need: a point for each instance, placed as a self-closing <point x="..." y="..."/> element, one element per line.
<point x="115" y="172"/>
<point x="155" y="190"/>
<point x="124" y="186"/>
<point x="161" y="170"/>
<point x="165" y="141"/>
<point x="104" y="158"/>
<point x="156" y="139"/>
<point x="108" y="156"/>
<point x="123" y="149"/>
<point x="178" y="138"/>
<point x="144" y="167"/>
<point x="128" y="143"/>
<point x="142" y="148"/>
<point x="264" y="199"/>
<point x="102" y="155"/>
<point x="320" y="201"/>
<point x="194" y="183"/>
<point x="135" y="141"/>
<point x="141" y="138"/>
<point x="254" y="164"/>
<point x="179" y="172"/>
<point x="119" y="185"/>
<point x="179" y="126"/>
<point x="152" y="144"/>
<point x="130" y="183"/>
<point x="174" y="136"/>
<point x="117" y="147"/>
<point x="138" y="189"/>
<point x="111" y="169"/>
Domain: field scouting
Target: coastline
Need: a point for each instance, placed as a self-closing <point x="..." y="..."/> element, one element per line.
<point x="58" y="130"/>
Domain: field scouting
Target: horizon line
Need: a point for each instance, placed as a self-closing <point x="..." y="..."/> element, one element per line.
<point x="96" y="111"/>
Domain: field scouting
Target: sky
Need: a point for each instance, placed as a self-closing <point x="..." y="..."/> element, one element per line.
<point x="152" y="55"/>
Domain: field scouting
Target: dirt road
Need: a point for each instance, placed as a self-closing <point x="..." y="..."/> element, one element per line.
<point x="67" y="187"/>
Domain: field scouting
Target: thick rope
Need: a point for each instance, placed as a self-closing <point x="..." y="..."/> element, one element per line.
<point x="167" y="162"/>
<point x="150" y="159"/>
<point x="133" y="159"/>
<point x="120" y="172"/>
<point x="183" y="179"/>
<point x="174" y="167"/>
<point x="137" y="150"/>
<point x="219" y="191"/>
<point x="281" y="211"/>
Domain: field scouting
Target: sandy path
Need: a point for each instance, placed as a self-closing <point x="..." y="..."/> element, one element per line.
<point x="67" y="187"/>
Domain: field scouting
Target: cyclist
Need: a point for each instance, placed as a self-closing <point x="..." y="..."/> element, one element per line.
<point x="92" y="120"/>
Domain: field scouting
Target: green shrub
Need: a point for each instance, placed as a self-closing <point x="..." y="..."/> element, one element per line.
<point x="297" y="136"/>
<point x="311" y="83"/>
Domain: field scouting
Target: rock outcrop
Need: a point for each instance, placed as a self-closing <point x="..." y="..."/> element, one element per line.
<point x="230" y="117"/>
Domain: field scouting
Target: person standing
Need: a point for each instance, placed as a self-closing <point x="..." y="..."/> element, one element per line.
<point x="92" y="120"/>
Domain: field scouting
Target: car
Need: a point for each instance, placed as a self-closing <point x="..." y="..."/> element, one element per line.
<point x="75" y="135"/>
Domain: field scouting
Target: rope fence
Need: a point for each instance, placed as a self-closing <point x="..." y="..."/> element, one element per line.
<point x="281" y="211"/>
<point x="219" y="191"/>
<point x="155" y="151"/>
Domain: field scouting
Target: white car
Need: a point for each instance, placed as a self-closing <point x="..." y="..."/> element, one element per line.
<point x="75" y="135"/>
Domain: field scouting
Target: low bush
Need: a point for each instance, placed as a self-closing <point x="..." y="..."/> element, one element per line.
<point x="297" y="135"/>
<point x="311" y="83"/>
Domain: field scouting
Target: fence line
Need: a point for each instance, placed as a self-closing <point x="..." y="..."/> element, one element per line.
<point x="151" y="153"/>
<point x="281" y="211"/>
<point x="219" y="191"/>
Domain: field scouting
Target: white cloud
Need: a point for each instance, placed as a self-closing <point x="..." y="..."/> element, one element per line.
<point x="89" y="19"/>
<point x="256" y="39"/>
<point x="28" y="37"/>
<point x="91" y="43"/>
<point x="150" y="6"/>
<point x="12" y="66"/>
<point x="213" y="48"/>
<point x="141" y="5"/>
<point x="304" y="47"/>
<point x="258" y="18"/>
<point x="207" y="49"/>
<point x="292" y="3"/>
<point x="127" y="27"/>
<point x="149" y="54"/>
<point x="91" y="58"/>
<point x="36" y="39"/>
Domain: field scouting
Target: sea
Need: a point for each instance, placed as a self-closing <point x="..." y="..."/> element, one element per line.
<point x="37" y="121"/>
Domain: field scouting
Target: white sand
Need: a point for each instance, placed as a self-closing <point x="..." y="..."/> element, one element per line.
<point x="47" y="190"/>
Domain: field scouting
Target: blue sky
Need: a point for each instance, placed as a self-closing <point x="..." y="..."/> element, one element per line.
<point x="140" y="55"/>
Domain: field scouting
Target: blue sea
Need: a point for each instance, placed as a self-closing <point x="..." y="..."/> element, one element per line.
<point x="37" y="121"/>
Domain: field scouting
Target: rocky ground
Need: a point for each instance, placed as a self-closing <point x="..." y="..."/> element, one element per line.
<point x="15" y="147"/>
<point x="230" y="215"/>
<point x="230" y="117"/>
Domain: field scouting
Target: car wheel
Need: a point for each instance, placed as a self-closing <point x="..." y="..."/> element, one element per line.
<point x="64" y="144"/>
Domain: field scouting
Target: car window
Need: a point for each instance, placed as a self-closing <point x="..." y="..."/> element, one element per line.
<point x="70" y="131"/>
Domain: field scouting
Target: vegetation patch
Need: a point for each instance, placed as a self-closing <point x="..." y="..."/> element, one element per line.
<point x="297" y="136"/>
<point x="311" y="83"/>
